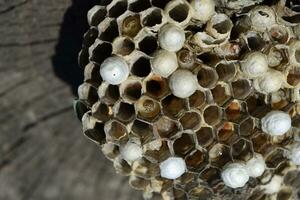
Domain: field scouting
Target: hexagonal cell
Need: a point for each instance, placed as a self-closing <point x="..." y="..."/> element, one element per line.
<point x="93" y="129"/>
<point x="148" y="45"/>
<point x="145" y="169"/>
<point x="90" y="37"/>
<point x="293" y="77"/>
<point x="173" y="106"/>
<point x="213" y="115"/>
<point x="110" y="30"/>
<point x="186" y="180"/>
<point x="141" y="67"/>
<point x="154" y="17"/>
<point x="157" y="151"/>
<point x="139" y="5"/>
<point x="242" y="150"/>
<point x="160" y="3"/>
<point x="241" y="88"/>
<point x="191" y="120"/>
<point x="96" y="15"/>
<point x="87" y="94"/>
<point x="291" y="178"/>
<point x="207" y="77"/>
<point x="219" y="155"/>
<point x="123" y="46"/>
<point x="257" y="107"/>
<point x="226" y="71"/>
<point x="147" y="108"/>
<point x="92" y="75"/>
<point x="196" y="160"/>
<point x="178" y="12"/>
<point x="166" y="127"/>
<point x="99" y="51"/>
<point x="186" y="58"/>
<point x="282" y="168"/>
<point x="121" y="166"/>
<point x="156" y="86"/>
<point x="201" y="193"/>
<point x="173" y="192"/>
<point x="235" y="111"/>
<point x="138" y="183"/>
<point x="115" y="131"/>
<point x="198" y="99"/>
<point x="261" y="142"/>
<point x="184" y="144"/>
<point x="205" y="136"/>
<point x="221" y="94"/>
<point x="285" y="194"/>
<point x="247" y="127"/>
<point x="227" y="133"/>
<point x="117" y="8"/>
<point x="131" y="89"/>
<point x="109" y="94"/>
<point x="275" y="158"/>
<point x="110" y="150"/>
<point x="211" y="175"/>
<point x="125" y="112"/>
<point x="101" y="111"/>
<point x="131" y="25"/>
<point x="142" y="130"/>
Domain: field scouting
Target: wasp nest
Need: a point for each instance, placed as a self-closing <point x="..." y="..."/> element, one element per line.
<point x="196" y="99"/>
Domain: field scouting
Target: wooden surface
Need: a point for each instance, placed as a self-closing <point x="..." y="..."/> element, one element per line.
<point x="43" y="154"/>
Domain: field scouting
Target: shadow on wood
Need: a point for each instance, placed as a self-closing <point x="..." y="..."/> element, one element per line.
<point x="74" y="26"/>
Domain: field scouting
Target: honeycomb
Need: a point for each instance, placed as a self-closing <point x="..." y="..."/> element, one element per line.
<point x="215" y="113"/>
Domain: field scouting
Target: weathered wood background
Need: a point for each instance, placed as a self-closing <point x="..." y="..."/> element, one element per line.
<point x="43" y="154"/>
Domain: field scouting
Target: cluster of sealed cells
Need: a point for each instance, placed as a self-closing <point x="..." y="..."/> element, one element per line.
<point x="218" y="124"/>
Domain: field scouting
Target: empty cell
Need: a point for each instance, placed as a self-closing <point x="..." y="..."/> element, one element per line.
<point x="196" y="160"/>
<point x="157" y="151"/>
<point x="87" y="94"/>
<point x="131" y="89"/>
<point x="211" y="175"/>
<point x="179" y="13"/>
<point x="190" y="120"/>
<point x="148" y="45"/>
<point x="139" y="5"/>
<point x="241" y="88"/>
<point x="93" y="129"/>
<point x="100" y="51"/>
<point x="205" y="136"/>
<point x="207" y="77"/>
<point x="110" y="32"/>
<point x="138" y="183"/>
<point x="153" y="18"/>
<point x="142" y="130"/>
<point x="220" y="94"/>
<point x="227" y="133"/>
<point x="200" y="193"/>
<point x="157" y="86"/>
<point x="197" y="99"/>
<point x="173" y="106"/>
<point x="141" y="67"/>
<point x="90" y="36"/>
<point x="115" y="131"/>
<point x="160" y="3"/>
<point x="293" y="77"/>
<point x="166" y="127"/>
<point x="226" y="72"/>
<point x="92" y="75"/>
<point x="233" y="110"/>
<point x="96" y="15"/>
<point x="101" y="111"/>
<point x="275" y="158"/>
<point x="257" y="107"/>
<point x="219" y="155"/>
<point x="213" y="115"/>
<point x="183" y="145"/>
<point x="123" y="46"/>
<point x="125" y="112"/>
<point x="261" y="143"/>
<point x="117" y="9"/>
<point x="247" y="127"/>
<point x="242" y="150"/>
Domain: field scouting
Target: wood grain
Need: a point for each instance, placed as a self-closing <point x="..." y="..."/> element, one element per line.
<point x="43" y="154"/>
